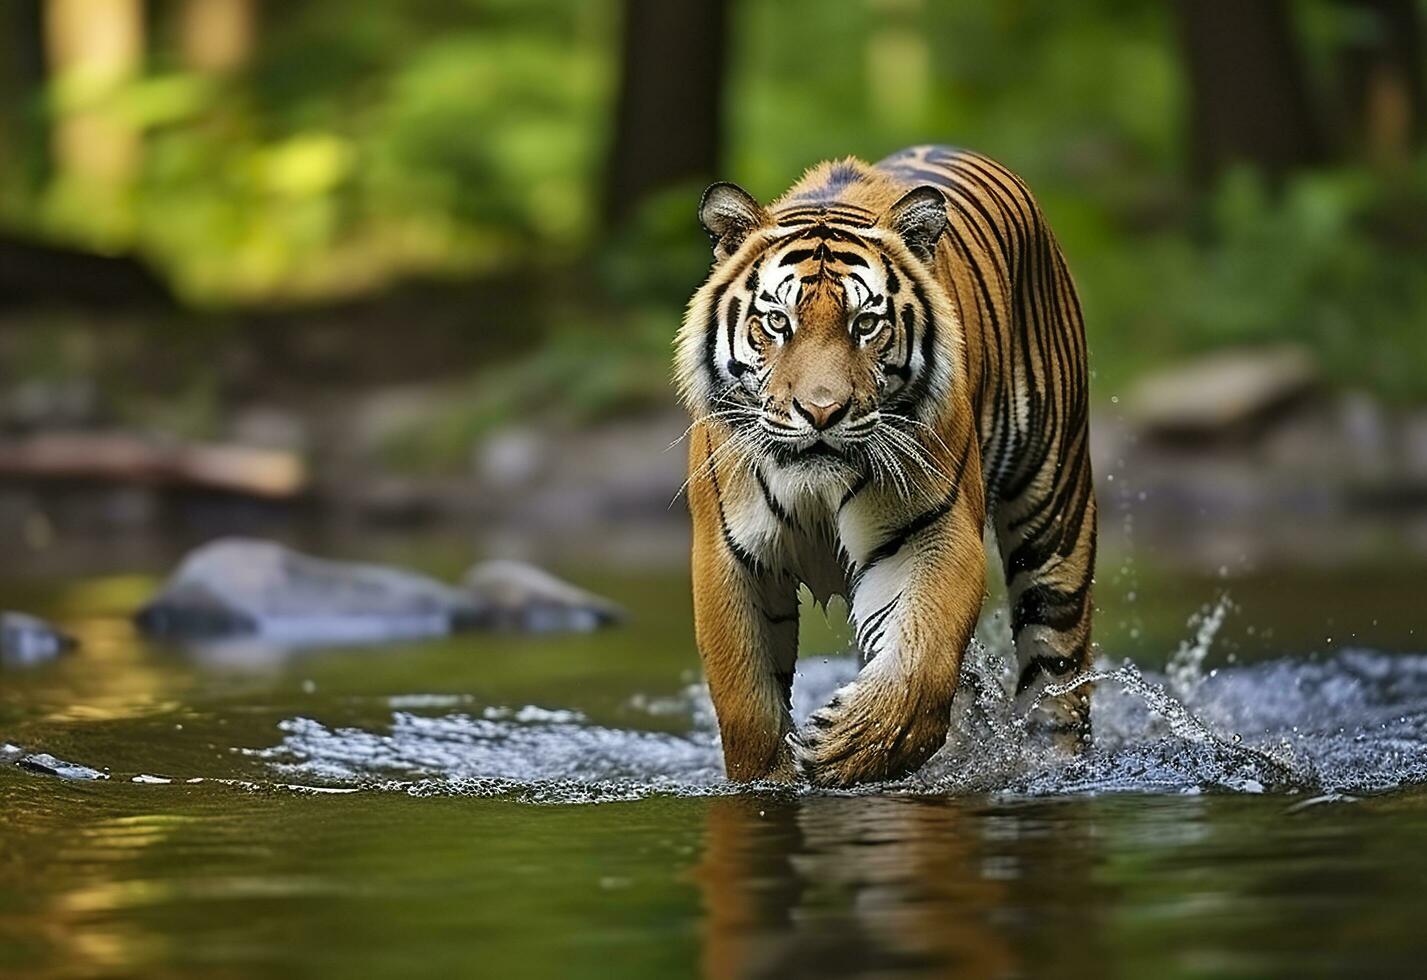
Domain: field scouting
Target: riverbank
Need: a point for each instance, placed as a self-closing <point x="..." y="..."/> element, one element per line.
<point x="1330" y="481"/>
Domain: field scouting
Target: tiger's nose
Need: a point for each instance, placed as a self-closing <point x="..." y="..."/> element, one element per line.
<point x="823" y="409"/>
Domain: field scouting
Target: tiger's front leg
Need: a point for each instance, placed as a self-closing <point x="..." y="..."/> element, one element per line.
<point x="917" y="593"/>
<point x="746" y="626"/>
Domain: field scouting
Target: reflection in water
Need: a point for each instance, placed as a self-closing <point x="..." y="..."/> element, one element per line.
<point x="1172" y="849"/>
<point x="112" y="677"/>
<point x="832" y="886"/>
<point x="90" y="862"/>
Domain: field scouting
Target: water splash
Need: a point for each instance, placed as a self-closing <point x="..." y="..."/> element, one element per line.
<point x="535" y="753"/>
<point x="1186" y="667"/>
<point x="1355" y="722"/>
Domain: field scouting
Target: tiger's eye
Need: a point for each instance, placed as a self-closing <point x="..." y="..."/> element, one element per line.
<point x="867" y="324"/>
<point x="777" y="321"/>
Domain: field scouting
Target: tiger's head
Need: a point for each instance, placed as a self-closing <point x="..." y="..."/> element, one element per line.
<point x="821" y="337"/>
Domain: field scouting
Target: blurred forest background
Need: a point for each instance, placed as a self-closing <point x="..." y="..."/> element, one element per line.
<point x="359" y="249"/>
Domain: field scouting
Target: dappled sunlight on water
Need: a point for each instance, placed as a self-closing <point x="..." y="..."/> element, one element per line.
<point x="249" y="803"/>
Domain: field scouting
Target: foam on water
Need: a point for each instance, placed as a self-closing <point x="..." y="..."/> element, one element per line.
<point x="1351" y="723"/>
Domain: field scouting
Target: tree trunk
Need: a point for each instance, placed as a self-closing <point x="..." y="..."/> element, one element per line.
<point x="668" y="123"/>
<point x="93" y="48"/>
<point x="899" y="64"/>
<point x="216" y="36"/>
<point x="1385" y="94"/>
<point x="1249" y="99"/>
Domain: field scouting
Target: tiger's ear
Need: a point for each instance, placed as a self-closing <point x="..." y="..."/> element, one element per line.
<point x="918" y="218"/>
<point x="729" y="214"/>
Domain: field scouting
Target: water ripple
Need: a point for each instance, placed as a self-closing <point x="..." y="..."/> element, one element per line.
<point x="1355" y="722"/>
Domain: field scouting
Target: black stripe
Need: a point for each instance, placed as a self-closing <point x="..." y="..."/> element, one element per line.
<point x="912" y="394"/>
<point x="876" y="618"/>
<point x="849" y="258"/>
<point x="899" y="537"/>
<point x="773" y="504"/>
<point x="872" y="631"/>
<point x="1057" y="666"/>
<point x="785" y="684"/>
<point x="909" y="327"/>
<point x="824" y="209"/>
<point x="744" y="557"/>
<point x="826" y="233"/>
<point x="1045" y="605"/>
<point x="735" y="307"/>
<point x="751" y="283"/>
<point x="711" y="335"/>
<point x="894" y="282"/>
<point x="853" y="491"/>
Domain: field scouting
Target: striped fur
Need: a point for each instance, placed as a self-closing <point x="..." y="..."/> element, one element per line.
<point x="880" y="361"/>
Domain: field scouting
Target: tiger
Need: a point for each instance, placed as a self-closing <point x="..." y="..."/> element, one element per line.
<point x="885" y="368"/>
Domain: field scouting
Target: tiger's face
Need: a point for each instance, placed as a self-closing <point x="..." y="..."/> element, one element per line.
<point x="818" y="347"/>
<point x="815" y="338"/>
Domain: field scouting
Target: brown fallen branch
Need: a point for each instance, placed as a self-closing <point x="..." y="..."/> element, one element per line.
<point x="124" y="458"/>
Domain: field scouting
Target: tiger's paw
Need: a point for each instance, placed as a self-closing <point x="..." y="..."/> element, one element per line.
<point x="852" y="739"/>
<point x="785" y="770"/>
<point x="770" y="760"/>
<point x="1062" y="722"/>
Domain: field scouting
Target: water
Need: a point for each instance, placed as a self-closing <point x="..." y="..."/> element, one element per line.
<point x="1253" y="804"/>
<point x="1353" y="723"/>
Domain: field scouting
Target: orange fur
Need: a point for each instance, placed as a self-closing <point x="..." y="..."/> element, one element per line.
<point x="926" y="296"/>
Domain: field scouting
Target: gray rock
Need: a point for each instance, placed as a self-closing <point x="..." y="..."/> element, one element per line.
<point x="236" y="590"/>
<point x="48" y="765"/>
<point x="269" y="427"/>
<point x="372" y="424"/>
<point x="627" y="470"/>
<point x="516" y="595"/>
<point x="27" y="640"/>
<point x="511" y="459"/>
<point x="1221" y="394"/>
<point x="242" y="587"/>
<point x="40" y="404"/>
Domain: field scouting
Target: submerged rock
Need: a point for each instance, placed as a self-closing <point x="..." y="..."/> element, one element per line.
<point x="236" y="587"/>
<point x="47" y="765"/>
<point x="26" y="640"/>
<point x="516" y="595"/>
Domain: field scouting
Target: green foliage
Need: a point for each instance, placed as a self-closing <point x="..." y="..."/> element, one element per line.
<point x="1010" y="79"/>
<point x="367" y="142"/>
<point x="589" y="370"/>
<point x="1334" y="260"/>
<point x="659" y="254"/>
